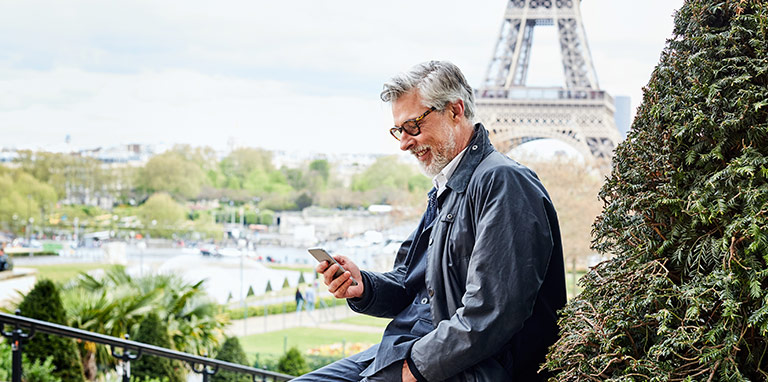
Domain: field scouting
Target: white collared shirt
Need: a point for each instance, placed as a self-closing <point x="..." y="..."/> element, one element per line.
<point x="441" y="179"/>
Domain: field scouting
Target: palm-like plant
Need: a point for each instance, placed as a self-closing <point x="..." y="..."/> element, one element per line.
<point x="115" y="303"/>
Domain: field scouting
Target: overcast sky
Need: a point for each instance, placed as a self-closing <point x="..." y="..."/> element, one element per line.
<point x="289" y="75"/>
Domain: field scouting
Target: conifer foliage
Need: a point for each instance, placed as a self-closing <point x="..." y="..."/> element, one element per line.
<point x="152" y="331"/>
<point x="43" y="302"/>
<point x="293" y="363"/>
<point x="231" y="351"/>
<point x="685" y="213"/>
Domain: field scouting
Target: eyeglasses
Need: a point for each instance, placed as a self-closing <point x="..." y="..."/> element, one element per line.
<point x="410" y="126"/>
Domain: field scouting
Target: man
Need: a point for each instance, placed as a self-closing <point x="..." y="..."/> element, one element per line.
<point x="475" y="288"/>
<point x="310" y="297"/>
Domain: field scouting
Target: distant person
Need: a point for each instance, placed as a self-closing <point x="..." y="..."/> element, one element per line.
<point x="5" y="260"/>
<point x="299" y="300"/>
<point x="475" y="289"/>
<point x="310" y="294"/>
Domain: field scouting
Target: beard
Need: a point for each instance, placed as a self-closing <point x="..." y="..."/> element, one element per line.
<point x="441" y="155"/>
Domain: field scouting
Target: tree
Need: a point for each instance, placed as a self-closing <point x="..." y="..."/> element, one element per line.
<point x="303" y="201"/>
<point x="392" y="182"/>
<point x="292" y="363"/>
<point x="574" y="190"/>
<point x="231" y="351"/>
<point x="23" y="197"/>
<point x="167" y="215"/>
<point x="153" y="332"/>
<point x="43" y="302"/>
<point x="206" y="226"/>
<point x="319" y="175"/>
<point x="321" y="167"/>
<point x="68" y="173"/>
<point x="684" y="213"/>
<point x="174" y="173"/>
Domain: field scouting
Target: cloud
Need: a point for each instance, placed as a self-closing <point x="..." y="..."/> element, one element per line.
<point x="294" y="74"/>
<point x="179" y="106"/>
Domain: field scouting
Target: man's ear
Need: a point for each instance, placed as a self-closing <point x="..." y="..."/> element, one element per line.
<point x="457" y="109"/>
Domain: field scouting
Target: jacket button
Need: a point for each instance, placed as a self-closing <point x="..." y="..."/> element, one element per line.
<point x="431" y="292"/>
<point x="431" y="240"/>
<point x="424" y="300"/>
<point x="449" y="216"/>
<point x="474" y="147"/>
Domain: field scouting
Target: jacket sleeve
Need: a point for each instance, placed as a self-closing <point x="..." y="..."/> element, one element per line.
<point x="385" y="294"/>
<point x="509" y="260"/>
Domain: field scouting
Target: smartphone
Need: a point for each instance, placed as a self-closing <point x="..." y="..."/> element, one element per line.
<point x="321" y="255"/>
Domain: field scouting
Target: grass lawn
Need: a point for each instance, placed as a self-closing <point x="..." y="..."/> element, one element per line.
<point x="361" y="319"/>
<point x="64" y="272"/>
<point x="303" y="339"/>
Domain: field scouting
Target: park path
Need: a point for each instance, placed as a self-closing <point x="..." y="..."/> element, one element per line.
<point x="319" y="318"/>
<point x="19" y="280"/>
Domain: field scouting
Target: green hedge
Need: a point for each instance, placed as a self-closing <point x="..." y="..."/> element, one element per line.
<point x="270" y="361"/>
<point x="286" y="307"/>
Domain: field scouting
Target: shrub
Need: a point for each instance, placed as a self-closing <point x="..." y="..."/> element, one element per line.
<point x="5" y="361"/>
<point x="36" y="371"/>
<point x="293" y="363"/>
<point x="43" y="302"/>
<point x="685" y="215"/>
<point x="153" y="332"/>
<point x="279" y="308"/>
<point x="265" y="361"/>
<point x="231" y="351"/>
<point x="39" y="371"/>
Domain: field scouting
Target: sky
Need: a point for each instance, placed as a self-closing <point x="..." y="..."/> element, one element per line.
<point x="293" y="75"/>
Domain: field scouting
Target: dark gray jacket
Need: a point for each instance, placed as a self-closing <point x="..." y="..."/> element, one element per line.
<point x="494" y="274"/>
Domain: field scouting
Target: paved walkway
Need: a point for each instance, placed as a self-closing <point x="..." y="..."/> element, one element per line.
<point x="15" y="281"/>
<point x="319" y="318"/>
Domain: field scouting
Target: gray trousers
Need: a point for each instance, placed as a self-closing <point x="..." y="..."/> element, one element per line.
<point x="349" y="369"/>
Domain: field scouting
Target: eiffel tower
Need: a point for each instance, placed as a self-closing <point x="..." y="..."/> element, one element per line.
<point x="579" y="113"/>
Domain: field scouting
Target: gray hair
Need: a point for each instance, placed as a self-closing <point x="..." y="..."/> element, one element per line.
<point x="439" y="83"/>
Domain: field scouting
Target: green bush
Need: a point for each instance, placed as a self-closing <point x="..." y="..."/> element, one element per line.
<point x="258" y="311"/>
<point x="153" y="332"/>
<point x="43" y="302"/>
<point x="293" y="363"/>
<point x="231" y="351"/>
<point x="148" y="379"/>
<point x="39" y="371"/>
<point x="5" y="361"/>
<point x="266" y="217"/>
<point x="265" y="361"/>
<point x="685" y="297"/>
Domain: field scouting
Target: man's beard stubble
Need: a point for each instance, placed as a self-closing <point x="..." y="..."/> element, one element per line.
<point x="441" y="155"/>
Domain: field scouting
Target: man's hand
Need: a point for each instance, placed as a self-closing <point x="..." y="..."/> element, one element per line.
<point x="341" y="287"/>
<point x="407" y="375"/>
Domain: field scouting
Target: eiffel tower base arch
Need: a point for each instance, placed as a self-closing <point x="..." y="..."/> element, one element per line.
<point x="585" y="124"/>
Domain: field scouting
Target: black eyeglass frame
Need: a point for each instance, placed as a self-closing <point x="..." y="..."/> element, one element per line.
<point x="410" y="126"/>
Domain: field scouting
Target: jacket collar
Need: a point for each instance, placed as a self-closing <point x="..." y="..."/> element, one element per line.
<point x="479" y="147"/>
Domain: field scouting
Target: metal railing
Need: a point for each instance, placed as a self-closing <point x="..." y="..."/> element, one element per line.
<point x="128" y="350"/>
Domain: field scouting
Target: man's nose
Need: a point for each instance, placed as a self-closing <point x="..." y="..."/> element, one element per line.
<point x="406" y="141"/>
